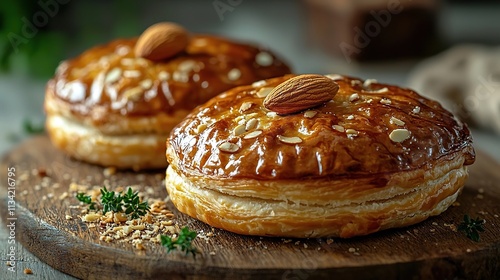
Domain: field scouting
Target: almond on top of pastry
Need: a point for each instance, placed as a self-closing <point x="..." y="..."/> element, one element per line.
<point x="347" y="158"/>
<point x="115" y="104"/>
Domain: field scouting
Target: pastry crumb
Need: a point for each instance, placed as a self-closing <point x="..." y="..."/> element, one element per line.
<point x="28" y="271"/>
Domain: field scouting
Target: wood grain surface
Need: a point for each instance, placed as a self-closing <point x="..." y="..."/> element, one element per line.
<point x="429" y="250"/>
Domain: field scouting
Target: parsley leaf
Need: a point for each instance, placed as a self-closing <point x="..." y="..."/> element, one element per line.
<point x="472" y="227"/>
<point x="110" y="201"/>
<point x="183" y="242"/>
<point x="133" y="206"/>
<point x="86" y="199"/>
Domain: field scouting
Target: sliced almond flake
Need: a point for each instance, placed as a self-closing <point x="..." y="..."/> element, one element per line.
<point x="271" y="114"/>
<point x="335" y="77"/>
<point x="163" y="76"/>
<point x="133" y="93"/>
<point x="200" y="128"/>
<point x="250" y="116"/>
<point x="259" y="83"/>
<point x="310" y="114"/>
<point x="180" y="77"/>
<point x="127" y="61"/>
<point x="416" y="110"/>
<point x="113" y="75"/>
<point x="264" y="59"/>
<point x="263" y="92"/>
<point x="123" y="50"/>
<point x="131" y="74"/>
<point x="385" y="101"/>
<point x="354" y="97"/>
<point x="289" y="140"/>
<point x="382" y="90"/>
<point x="251" y="124"/>
<point x="399" y="135"/>
<point x="369" y="82"/>
<point x="239" y="118"/>
<point x="234" y="74"/>
<point x="238" y="130"/>
<point x="351" y="132"/>
<point x="228" y="147"/>
<point x="396" y="121"/>
<point x="142" y="61"/>
<point x="146" y="84"/>
<point x="338" y="128"/>
<point x="355" y="82"/>
<point x="245" y="106"/>
<point x="253" y="134"/>
<point x="186" y="66"/>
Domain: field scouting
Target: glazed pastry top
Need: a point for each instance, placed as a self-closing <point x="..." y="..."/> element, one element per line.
<point x="368" y="128"/>
<point x="110" y="79"/>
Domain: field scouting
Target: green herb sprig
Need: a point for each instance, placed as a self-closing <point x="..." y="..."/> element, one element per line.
<point x="183" y="242"/>
<point x="116" y="202"/>
<point x="472" y="227"/>
<point x="86" y="199"/>
<point x="30" y="127"/>
<point x="133" y="206"/>
<point x="111" y="201"/>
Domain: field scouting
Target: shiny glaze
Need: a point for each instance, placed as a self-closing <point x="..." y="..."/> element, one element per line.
<point x="324" y="151"/>
<point x="98" y="79"/>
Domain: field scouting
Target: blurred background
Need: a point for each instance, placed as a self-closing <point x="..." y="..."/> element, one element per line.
<point x="447" y="50"/>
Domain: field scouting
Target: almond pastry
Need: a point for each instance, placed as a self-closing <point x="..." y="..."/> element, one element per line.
<point x="110" y="107"/>
<point x="356" y="167"/>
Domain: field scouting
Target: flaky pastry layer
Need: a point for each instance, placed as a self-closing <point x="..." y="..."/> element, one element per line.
<point x="136" y="151"/>
<point x="318" y="208"/>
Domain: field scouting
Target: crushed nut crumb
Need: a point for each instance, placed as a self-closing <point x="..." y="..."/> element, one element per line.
<point x="109" y="171"/>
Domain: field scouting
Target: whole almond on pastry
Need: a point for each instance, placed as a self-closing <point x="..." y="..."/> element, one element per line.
<point x="300" y="93"/>
<point x="161" y="41"/>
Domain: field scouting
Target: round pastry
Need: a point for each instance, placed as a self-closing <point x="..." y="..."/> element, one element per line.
<point x="115" y="104"/>
<point x="314" y="156"/>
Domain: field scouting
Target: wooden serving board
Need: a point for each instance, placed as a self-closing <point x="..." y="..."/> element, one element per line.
<point x="429" y="250"/>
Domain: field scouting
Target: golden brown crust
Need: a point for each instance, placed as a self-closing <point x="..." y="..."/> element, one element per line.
<point x="109" y="91"/>
<point x="109" y="80"/>
<point x="347" y="137"/>
<point x="375" y="157"/>
<point x="318" y="208"/>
